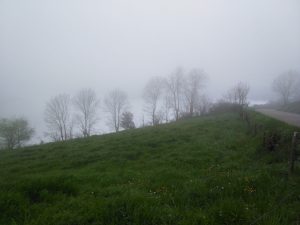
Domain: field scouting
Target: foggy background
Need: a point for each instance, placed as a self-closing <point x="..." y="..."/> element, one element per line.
<point x="52" y="47"/>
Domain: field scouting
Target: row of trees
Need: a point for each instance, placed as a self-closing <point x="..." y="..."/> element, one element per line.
<point x="58" y="116"/>
<point x="64" y="113"/>
<point x="286" y="86"/>
<point x="180" y="94"/>
<point x="238" y="94"/>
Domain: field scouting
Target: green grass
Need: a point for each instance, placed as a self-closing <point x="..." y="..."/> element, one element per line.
<point x="209" y="170"/>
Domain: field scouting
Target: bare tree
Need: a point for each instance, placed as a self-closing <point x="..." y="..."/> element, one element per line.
<point x="142" y="121"/>
<point x="57" y="117"/>
<point x="231" y="96"/>
<point x="115" y="104"/>
<point x="194" y="81"/>
<point x="238" y="94"/>
<point x="159" y="117"/>
<point x="152" y="93"/>
<point x="174" y="85"/>
<point x="241" y="91"/>
<point x="166" y="106"/>
<point x="203" y="105"/>
<point x="286" y="85"/>
<point x="87" y="104"/>
<point x="15" y="132"/>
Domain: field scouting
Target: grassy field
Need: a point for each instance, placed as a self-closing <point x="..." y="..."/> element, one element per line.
<point x="210" y="170"/>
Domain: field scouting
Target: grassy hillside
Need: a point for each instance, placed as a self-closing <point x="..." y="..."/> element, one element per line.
<point x="210" y="170"/>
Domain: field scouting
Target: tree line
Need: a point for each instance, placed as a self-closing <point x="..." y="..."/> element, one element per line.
<point x="179" y="95"/>
<point x="165" y="99"/>
<point x="64" y="113"/>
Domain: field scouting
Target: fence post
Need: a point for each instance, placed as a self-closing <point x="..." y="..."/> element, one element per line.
<point x="255" y="129"/>
<point x="293" y="153"/>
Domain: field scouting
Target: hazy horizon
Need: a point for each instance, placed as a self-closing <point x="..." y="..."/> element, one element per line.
<point x="53" y="47"/>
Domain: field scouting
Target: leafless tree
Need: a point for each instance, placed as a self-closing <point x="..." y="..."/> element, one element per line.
<point x="194" y="81"/>
<point x="203" y="105"/>
<point x="159" y="117"/>
<point x="152" y="93"/>
<point x="115" y="104"/>
<point x="286" y="85"/>
<point x="14" y="132"/>
<point x="58" y="119"/>
<point x="238" y="94"/>
<point x="230" y="96"/>
<point x="166" y="106"/>
<point x="174" y="86"/>
<point x="87" y="104"/>
<point x="242" y="90"/>
<point x="142" y="120"/>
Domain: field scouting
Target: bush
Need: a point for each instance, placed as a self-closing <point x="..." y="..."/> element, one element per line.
<point x="224" y="107"/>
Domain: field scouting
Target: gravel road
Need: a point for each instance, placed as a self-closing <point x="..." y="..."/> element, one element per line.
<point x="290" y="118"/>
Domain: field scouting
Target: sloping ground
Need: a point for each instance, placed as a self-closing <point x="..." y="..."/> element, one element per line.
<point x="290" y="118"/>
<point x="210" y="170"/>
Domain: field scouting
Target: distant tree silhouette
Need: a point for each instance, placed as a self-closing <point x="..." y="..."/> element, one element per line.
<point x="175" y="88"/>
<point x="127" y="120"/>
<point x="58" y="119"/>
<point x="152" y="93"/>
<point x="193" y="82"/>
<point x="115" y="103"/>
<point x="238" y="94"/>
<point x="86" y="104"/>
<point x="286" y="85"/>
<point x="14" y="132"/>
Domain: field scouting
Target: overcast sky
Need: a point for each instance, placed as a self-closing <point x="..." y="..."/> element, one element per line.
<point x="49" y="47"/>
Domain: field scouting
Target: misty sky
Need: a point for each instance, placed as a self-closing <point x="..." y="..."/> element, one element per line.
<point x="49" y="47"/>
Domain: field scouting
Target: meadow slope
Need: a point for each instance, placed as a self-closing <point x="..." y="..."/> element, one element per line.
<point x="210" y="170"/>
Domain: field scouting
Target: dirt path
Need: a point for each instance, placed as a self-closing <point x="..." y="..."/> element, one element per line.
<point x="290" y="118"/>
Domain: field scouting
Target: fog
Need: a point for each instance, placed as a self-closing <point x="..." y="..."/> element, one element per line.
<point x="51" y="47"/>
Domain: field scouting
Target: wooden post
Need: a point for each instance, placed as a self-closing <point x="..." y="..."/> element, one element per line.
<point x="293" y="153"/>
<point x="255" y="129"/>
